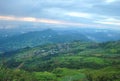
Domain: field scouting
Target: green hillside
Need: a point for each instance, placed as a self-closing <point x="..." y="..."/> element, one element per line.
<point x="75" y="61"/>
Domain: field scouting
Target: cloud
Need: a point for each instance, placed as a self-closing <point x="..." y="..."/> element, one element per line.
<point x="79" y="14"/>
<point x="48" y="21"/>
<point x="109" y="21"/>
<point x="30" y="19"/>
<point x="83" y="13"/>
<point x="37" y="20"/>
<point x="110" y="1"/>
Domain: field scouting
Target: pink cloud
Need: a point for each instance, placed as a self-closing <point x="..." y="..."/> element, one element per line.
<point x="48" y="21"/>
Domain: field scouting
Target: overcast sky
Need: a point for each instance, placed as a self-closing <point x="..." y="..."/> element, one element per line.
<point x="61" y="13"/>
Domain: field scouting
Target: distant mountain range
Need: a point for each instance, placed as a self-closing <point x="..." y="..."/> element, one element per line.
<point x="13" y="41"/>
<point x="38" y="38"/>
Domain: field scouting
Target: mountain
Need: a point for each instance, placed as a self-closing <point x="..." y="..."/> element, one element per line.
<point x="102" y="35"/>
<point x="39" y="38"/>
<point x="12" y="41"/>
<point x="97" y="35"/>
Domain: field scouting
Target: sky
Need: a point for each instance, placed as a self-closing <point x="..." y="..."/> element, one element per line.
<point x="60" y="13"/>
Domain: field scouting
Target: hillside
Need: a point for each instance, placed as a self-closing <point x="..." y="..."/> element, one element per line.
<point x="63" y="61"/>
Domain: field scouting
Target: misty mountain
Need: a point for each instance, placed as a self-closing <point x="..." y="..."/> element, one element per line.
<point x="17" y="40"/>
<point x="39" y="38"/>
<point x="101" y="35"/>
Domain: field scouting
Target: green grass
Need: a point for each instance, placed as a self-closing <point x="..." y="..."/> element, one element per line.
<point x="65" y="74"/>
<point x="94" y="59"/>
